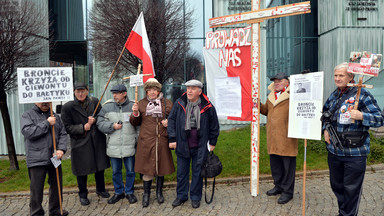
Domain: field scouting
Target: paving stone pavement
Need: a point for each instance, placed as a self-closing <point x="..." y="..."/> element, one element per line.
<point x="231" y="198"/>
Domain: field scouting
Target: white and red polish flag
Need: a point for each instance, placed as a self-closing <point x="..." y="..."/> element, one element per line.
<point x="138" y="45"/>
<point x="227" y="57"/>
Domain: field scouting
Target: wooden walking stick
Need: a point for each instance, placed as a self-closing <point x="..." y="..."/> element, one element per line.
<point x="304" y="174"/>
<point x="57" y="169"/>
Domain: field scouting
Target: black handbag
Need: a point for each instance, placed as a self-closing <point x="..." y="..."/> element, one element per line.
<point x="211" y="168"/>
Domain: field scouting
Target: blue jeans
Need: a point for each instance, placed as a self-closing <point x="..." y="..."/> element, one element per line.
<point x="183" y="165"/>
<point x="117" y="177"/>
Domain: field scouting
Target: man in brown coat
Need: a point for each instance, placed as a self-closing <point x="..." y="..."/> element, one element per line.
<point x="281" y="149"/>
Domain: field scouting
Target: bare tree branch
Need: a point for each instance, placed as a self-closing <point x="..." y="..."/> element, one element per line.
<point x="167" y="28"/>
<point x="22" y="29"/>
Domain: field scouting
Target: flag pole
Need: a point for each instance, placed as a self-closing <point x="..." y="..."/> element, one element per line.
<point x="110" y="77"/>
<point x="57" y="169"/>
<point x="304" y="174"/>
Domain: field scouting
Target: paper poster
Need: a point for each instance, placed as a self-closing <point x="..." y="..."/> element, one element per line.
<point x="305" y="106"/>
<point x="37" y="85"/>
<point x="136" y="80"/>
<point x="364" y="63"/>
<point x="228" y="96"/>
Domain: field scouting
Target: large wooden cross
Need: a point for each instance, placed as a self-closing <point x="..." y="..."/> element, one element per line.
<point x="254" y="17"/>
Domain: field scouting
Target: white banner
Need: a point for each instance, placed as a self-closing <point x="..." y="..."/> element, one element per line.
<point x="305" y="105"/>
<point x="37" y="85"/>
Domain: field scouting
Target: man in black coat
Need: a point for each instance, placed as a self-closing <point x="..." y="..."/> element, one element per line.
<point x="88" y="144"/>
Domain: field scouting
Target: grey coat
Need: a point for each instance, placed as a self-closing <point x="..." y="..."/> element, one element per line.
<point x="88" y="150"/>
<point x="120" y="143"/>
<point x="38" y="136"/>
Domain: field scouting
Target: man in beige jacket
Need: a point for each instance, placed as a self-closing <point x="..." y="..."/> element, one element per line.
<point x="281" y="149"/>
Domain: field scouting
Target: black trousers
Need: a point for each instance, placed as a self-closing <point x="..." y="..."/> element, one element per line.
<point x="283" y="169"/>
<point x="82" y="183"/>
<point x="346" y="176"/>
<point x="37" y="176"/>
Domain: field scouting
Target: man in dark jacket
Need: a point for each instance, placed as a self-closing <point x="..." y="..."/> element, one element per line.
<point x="36" y="126"/>
<point x="87" y="142"/>
<point x="192" y="125"/>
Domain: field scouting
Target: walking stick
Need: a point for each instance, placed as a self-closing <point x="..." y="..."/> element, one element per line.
<point x="304" y="174"/>
<point x="57" y="169"/>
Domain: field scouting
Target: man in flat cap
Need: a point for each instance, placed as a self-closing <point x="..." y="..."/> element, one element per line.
<point x="36" y="126"/>
<point x="88" y="144"/>
<point x="113" y="120"/>
<point x="281" y="149"/>
<point x="192" y="124"/>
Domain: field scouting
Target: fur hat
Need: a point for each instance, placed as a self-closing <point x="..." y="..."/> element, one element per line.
<point x="152" y="83"/>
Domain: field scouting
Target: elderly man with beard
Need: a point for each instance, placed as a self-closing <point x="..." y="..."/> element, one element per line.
<point x="36" y="126"/>
<point x="113" y="120"/>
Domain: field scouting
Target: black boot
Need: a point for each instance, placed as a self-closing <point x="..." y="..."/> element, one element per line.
<point x="159" y="189"/>
<point x="147" y="192"/>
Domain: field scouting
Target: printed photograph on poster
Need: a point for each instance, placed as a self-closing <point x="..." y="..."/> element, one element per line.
<point x="302" y="87"/>
<point x="368" y="64"/>
<point x="376" y="60"/>
<point x="355" y="57"/>
<point x="305" y="106"/>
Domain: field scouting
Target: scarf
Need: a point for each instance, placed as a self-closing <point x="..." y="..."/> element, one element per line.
<point x="154" y="106"/>
<point x="193" y="115"/>
<point x="277" y="94"/>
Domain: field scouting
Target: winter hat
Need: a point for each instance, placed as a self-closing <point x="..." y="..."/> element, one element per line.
<point x="152" y="83"/>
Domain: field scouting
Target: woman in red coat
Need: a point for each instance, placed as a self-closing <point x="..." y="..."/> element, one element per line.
<point x="153" y="156"/>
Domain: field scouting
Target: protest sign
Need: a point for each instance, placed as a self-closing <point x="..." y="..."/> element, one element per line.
<point x="136" y="80"/>
<point x="227" y="57"/>
<point x="36" y="85"/>
<point x="364" y="63"/>
<point x="305" y="106"/>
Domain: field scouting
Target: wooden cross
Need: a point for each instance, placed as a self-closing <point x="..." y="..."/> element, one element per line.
<point x="359" y="86"/>
<point x="255" y="17"/>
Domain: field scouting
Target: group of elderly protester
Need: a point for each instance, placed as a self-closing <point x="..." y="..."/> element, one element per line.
<point x="141" y="136"/>
<point x="121" y="132"/>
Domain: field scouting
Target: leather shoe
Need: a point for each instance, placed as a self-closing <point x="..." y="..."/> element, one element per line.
<point x="65" y="213"/>
<point x="131" y="198"/>
<point x="284" y="199"/>
<point x="103" y="194"/>
<point x="195" y="203"/>
<point x="273" y="192"/>
<point x="84" y="201"/>
<point x="115" y="198"/>
<point x="178" y="202"/>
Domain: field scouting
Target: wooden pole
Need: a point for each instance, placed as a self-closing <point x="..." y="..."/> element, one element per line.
<point x="358" y="95"/>
<point x="110" y="77"/>
<point x="136" y="92"/>
<point x="304" y="174"/>
<point x="57" y="169"/>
